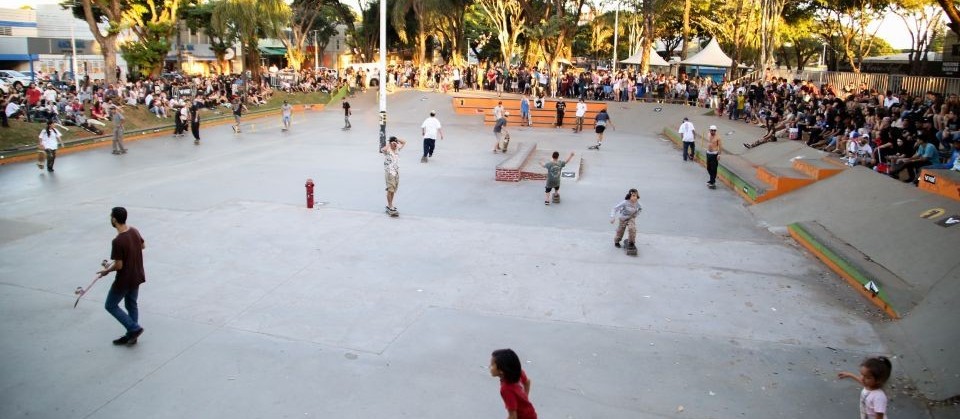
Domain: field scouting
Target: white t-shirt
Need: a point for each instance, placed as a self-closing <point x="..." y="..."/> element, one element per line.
<point x="873" y="402"/>
<point x="686" y="130"/>
<point x="50" y="141"/>
<point x="890" y="101"/>
<point x="12" y="108"/>
<point x="431" y="127"/>
<point x="581" y="109"/>
<point x="498" y="112"/>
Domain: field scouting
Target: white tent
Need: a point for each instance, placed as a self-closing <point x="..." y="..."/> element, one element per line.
<point x="709" y="56"/>
<point x="655" y="59"/>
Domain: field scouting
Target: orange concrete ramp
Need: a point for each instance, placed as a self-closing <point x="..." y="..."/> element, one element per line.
<point x="941" y="182"/>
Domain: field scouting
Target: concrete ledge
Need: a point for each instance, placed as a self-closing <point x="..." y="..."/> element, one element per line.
<point x="509" y="170"/>
<point x="842" y="259"/>
<point x="941" y="182"/>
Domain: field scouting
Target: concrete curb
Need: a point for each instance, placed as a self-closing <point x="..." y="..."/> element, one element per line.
<point x="856" y="277"/>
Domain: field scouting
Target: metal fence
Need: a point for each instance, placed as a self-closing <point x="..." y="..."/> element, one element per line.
<point x="914" y="85"/>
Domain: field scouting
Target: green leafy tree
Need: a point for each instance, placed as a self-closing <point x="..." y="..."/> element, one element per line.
<point x="154" y="23"/>
<point x="848" y="23"/>
<point x="479" y="33"/>
<point x="110" y="13"/>
<point x="250" y="20"/>
<point x="508" y="20"/>
<point x="198" y="16"/>
<point x="923" y="20"/>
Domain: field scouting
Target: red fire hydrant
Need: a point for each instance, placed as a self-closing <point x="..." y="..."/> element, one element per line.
<point x="309" y="186"/>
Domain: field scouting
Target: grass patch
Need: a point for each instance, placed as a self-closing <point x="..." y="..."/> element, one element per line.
<point x="22" y="134"/>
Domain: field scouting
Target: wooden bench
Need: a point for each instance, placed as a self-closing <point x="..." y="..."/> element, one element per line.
<point x="941" y="182"/>
<point x="509" y="169"/>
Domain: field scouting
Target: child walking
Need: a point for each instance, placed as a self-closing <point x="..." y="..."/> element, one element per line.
<point x="514" y="384"/>
<point x="626" y="212"/>
<point x="874" y="373"/>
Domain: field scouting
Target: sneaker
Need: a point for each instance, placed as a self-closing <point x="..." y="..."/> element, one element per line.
<point x="546" y="202"/>
<point x="132" y="338"/>
<point x="617" y="244"/>
<point x="122" y="340"/>
<point x="423" y="159"/>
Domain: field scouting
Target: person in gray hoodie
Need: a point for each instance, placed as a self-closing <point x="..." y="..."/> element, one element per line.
<point x="626" y="212"/>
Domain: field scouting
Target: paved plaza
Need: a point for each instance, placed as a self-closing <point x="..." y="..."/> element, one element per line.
<point x="256" y="307"/>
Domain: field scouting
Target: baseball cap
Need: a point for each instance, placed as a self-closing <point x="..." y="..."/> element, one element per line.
<point x="433" y="113"/>
<point x="854" y="134"/>
<point x="713" y="128"/>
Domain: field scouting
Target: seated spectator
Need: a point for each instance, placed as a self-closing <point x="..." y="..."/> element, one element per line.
<point x="951" y="163"/>
<point x="926" y="155"/>
<point x="98" y="112"/>
<point x="860" y="152"/>
<point x="13" y="109"/>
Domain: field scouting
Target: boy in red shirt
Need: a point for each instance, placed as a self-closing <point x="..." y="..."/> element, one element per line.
<point x="514" y="384"/>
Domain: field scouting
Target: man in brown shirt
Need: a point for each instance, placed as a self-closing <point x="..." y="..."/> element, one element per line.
<point x="713" y="154"/>
<point x="127" y="255"/>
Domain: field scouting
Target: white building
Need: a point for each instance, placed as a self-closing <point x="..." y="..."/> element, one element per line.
<point x="48" y="38"/>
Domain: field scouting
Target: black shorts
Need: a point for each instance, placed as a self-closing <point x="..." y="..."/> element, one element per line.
<point x="555" y="188"/>
<point x="601" y="128"/>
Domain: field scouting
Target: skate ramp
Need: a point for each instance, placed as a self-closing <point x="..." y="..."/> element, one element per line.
<point x="878" y="229"/>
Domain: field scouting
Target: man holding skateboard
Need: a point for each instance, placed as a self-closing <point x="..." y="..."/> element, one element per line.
<point x="391" y="168"/>
<point x="127" y="255"/>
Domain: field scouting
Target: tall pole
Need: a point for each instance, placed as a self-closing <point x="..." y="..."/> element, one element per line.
<point x="383" y="73"/>
<point x="316" y="56"/>
<point x="73" y="59"/>
<point x="616" y="31"/>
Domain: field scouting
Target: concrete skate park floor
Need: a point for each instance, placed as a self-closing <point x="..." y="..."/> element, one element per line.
<point x="256" y="307"/>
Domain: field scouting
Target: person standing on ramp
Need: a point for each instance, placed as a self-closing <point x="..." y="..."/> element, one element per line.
<point x="713" y="156"/>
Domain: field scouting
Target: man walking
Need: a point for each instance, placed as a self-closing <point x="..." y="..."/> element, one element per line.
<point x="391" y="168"/>
<point x="346" y="113"/>
<point x="713" y="154"/>
<point x="688" y="134"/>
<point x="118" y="119"/>
<point x="286" y="112"/>
<point x="127" y="255"/>
<point x="581" y="113"/>
<point x="195" y="120"/>
<point x="431" y="130"/>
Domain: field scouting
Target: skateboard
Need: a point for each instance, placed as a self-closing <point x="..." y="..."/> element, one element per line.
<point x="80" y="292"/>
<point x="505" y="143"/>
<point x="41" y="158"/>
<point x="631" y="248"/>
<point x="345" y="129"/>
<point x="593" y="147"/>
<point x="556" y="198"/>
<point x="393" y="213"/>
<point x="712" y="185"/>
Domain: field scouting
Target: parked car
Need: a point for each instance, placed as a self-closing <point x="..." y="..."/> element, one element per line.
<point x="18" y="80"/>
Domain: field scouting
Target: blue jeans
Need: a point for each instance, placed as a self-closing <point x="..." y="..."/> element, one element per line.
<point x="129" y="318"/>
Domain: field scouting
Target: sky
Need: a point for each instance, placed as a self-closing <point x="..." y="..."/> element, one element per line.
<point x="891" y="28"/>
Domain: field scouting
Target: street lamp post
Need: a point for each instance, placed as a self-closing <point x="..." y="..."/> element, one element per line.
<point x="316" y="63"/>
<point x="383" y="73"/>
<point x="616" y="31"/>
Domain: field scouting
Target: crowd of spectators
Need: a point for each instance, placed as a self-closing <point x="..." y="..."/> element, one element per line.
<point x="89" y="103"/>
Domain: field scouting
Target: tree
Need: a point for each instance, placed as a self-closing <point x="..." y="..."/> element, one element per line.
<point x="798" y="30"/>
<point x="922" y="18"/>
<point x="110" y="13"/>
<point x="198" y="15"/>
<point x="154" y="22"/>
<point x="508" y="21"/>
<point x="451" y="29"/>
<point x="848" y="21"/>
<point x="250" y="20"/>
<point x="735" y="25"/>
<point x="308" y="16"/>
<point x="950" y="9"/>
